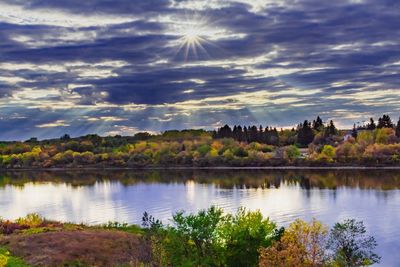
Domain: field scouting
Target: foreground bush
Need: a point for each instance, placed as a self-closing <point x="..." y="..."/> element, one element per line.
<point x="7" y="260"/>
<point x="308" y="245"/>
<point x="31" y="220"/>
<point x="211" y="238"/>
<point x="351" y="246"/>
<point x="302" y="244"/>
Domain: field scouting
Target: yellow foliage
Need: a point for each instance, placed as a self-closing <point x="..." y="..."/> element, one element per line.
<point x="32" y="220"/>
<point x="302" y="245"/>
<point x="213" y="152"/>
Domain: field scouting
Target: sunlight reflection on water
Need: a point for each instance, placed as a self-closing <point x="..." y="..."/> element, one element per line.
<point x="100" y="198"/>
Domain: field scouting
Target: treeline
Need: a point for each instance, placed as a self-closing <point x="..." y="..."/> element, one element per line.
<point x="249" y="134"/>
<point x="311" y="143"/>
<point x="302" y="135"/>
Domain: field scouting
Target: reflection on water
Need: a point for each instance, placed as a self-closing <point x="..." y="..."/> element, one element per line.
<point x="101" y="196"/>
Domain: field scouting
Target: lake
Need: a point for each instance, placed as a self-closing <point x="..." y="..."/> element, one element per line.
<point x="96" y="197"/>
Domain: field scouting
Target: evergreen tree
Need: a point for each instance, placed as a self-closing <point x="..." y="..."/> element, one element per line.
<point x="245" y="134"/>
<point x="371" y="125"/>
<point x="385" y="122"/>
<point x="239" y="134"/>
<point x="318" y="124"/>
<point x="330" y="129"/>
<point x="224" y="132"/>
<point x="253" y="134"/>
<point x="398" y="129"/>
<point x="260" y="134"/>
<point x="354" y="132"/>
<point x="65" y="137"/>
<point x="305" y="133"/>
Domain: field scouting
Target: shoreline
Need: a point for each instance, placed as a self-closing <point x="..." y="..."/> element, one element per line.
<point x="207" y="168"/>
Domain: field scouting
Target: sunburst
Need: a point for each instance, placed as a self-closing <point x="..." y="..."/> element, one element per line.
<point x="194" y="34"/>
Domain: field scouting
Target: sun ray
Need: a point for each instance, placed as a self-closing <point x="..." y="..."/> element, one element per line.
<point x="195" y="36"/>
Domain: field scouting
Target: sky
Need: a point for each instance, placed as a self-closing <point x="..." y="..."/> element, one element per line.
<point x="123" y="66"/>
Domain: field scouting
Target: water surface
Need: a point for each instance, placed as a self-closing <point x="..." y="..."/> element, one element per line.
<point x="100" y="196"/>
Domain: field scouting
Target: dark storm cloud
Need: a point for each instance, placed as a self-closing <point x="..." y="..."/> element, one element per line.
<point x="156" y="86"/>
<point x="96" y="6"/>
<point x="337" y="48"/>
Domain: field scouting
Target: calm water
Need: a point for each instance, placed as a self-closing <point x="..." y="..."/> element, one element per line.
<point x="98" y="197"/>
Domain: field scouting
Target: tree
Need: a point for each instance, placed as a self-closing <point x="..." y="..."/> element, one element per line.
<point x="65" y="137"/>
<point x="210" y="238"/>
<point x="327" y="153"/>
<point x="371" y="125"/>
<point x="330" y="129"/>
<point x="385" y="122"/>
<point x="398" y="129"/>
<point x="302" y="244"/>
<point x="292" y="152"/>
<point x="350" y="244"/>
<point x="354" y="132"/>
<point x="305" y="134"/>
<point x="385" y="135"/>
<point x="318" y="124"/>
<point x="244" y="233"/>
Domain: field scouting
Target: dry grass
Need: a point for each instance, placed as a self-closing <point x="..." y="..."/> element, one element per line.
<point x="89" y="247"/>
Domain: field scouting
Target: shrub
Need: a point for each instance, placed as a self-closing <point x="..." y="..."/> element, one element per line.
<point x="240" y="152"/>
<point x="7" y="260"/>
<point x="210" y="238"/>
<point x="292" y="152"/>
<point x="302" y="244"/>
<point x="350" y="246"/>
<point x="8" y="227"/>
<point x="32" y="220"/>
<point x="244" y="234"/>
<point x="327" y="153"/>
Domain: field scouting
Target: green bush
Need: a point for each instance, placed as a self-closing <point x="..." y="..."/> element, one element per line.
<point x="244" y="233"/>
<point x="7" y="260"/>
<point x="211" y="238"/>
<point x="351" y="246"/>
<point x="292" y="152"/>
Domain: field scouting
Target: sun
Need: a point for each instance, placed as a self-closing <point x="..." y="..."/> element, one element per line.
<point x="196" y="36"/>
<point x="193" y="34"/>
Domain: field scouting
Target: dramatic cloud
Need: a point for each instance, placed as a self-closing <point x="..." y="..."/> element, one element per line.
<point x="124" y="66"/>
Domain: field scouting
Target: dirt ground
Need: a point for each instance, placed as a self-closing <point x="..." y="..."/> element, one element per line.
<point x="79" y="248"/>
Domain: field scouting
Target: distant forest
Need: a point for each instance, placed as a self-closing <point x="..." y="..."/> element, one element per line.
<point x="311" y="143"/>
<point x="305" y="132"/>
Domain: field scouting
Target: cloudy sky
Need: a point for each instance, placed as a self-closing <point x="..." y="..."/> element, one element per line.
<point x="122" y="66"/>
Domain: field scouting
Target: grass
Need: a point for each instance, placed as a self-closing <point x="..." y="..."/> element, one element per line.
<point x="124" y="227"/>
<point x="42" y="242"/>
<point x="7" y="260"/>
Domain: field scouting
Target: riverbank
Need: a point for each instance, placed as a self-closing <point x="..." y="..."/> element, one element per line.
<point x="75" y="245"/>
<point x="207" y="168"/>
<point x="208" y="238"/>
